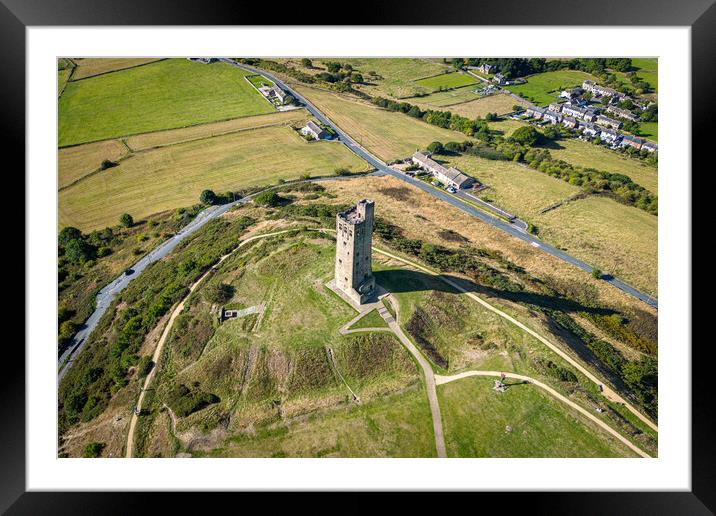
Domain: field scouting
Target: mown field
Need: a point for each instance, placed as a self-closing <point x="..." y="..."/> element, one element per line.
<point x="518" y="189"/>
<point x="163" y="95"/>
<point x="387" y="135"/>
<point x="466" y="103"/>
<point x="585" y="154"/>
<point x="73" y="163"/>
<point x="174" y="176"/>
<point x="539" y="86"/>
<point x="619" y="239"/>
<point x="89" y="67"/>
<point x="447" y="80"/>
<point x="476" y="421"/>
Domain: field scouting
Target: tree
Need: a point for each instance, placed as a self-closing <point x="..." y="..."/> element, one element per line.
<point x="307" y="62"/>
<point x="270" y="199"/>
<point x="436" y="148"/>
<point x="207" y="197"/>
<point x="453" y="147"/>
<point x="93" y="450"/>
<point x="333" y="67"/>
<point x="596" y="273"/>
<point x="79" y="251"/>
<point x="527" y="135"/>
<point x="342" y="171"/>
<point x="107" y="164"/>
<point x="68" y="234"/>
<point x="126" y="220"/>
<point x="491" y="117"/>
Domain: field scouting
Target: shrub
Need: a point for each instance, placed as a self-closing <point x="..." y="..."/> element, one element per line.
<point x="126" y="220"/>
<point x="270" y="199"/>
<point x="104" y="251"/>
<point x="67" y="234"/>
<point x="342" y="171"/>
<point x="207" y="197"/>
<point x="93" y="450"/>
<point x="219" y="293"/>
<point x="596" y="273"/>
<point x="107" y="164"/>
<point x="436" y="148"/>
<point x="79" y="251"/>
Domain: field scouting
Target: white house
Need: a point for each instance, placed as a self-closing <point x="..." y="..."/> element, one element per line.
<point x="609" y="135"/>
<point x="315" y="130"/>
<point x="535" y="112"/>
<point x="589" y="129"/>
<point x="447" y="176"/>
<point x="650" y="146"/>
<point x="552" y="117"/>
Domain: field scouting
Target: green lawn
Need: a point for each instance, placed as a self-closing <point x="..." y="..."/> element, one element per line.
<point x="162" y="95"/>
<point x="539" y="86"/>
<point x="447" y="80"/>
<point x="476" y="421"/>
<point x="649" y="130"/>
<point x="371" y="320"/>
<point x="259" y="80"/>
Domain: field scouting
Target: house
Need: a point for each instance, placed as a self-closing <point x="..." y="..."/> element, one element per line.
<point x="447" y="176"/>
<point x="601" y="91"/>
<point x="571" y="93"/>
<point x="535" y="112"/>
<point x="609" y="135"/>
<point x="557" y="108"/>
<point x="552" y="117"/>
<point x="632" y="141"/>
<point x="589" y="129"/>
<point x="485" y="68"/>
<point x="203" y="60"/>
<point x="314" y="130"/>
<point x="589" y="116"/>
<point x="622" y="113"/>
<point x="569" y="122"/>
<point x="608" y="122"/>
<point x="278" y="93"/>
<point x="573" y="111"/>
<point x="649" y="146"/>
<point x="499" y="79"/>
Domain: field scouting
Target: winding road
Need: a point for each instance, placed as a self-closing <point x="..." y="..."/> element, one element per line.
<point x="384" y="169"/>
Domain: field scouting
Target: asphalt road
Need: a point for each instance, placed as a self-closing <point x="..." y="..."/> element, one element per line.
<point x="444" y="196"/>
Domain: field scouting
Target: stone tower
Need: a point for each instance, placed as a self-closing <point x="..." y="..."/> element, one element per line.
<point x="354" y="236"/>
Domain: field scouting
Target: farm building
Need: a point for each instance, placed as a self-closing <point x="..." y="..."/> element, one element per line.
<point x="608" y="122"/>
<point x="314" y="130"/>
<point x="650" y="146"/>
<point x="569" y="122"/>
<point x="485" y="68"/>
<point x="447" y="176"/>
<point x="632" y="141"/>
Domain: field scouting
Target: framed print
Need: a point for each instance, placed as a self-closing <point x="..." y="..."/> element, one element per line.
<point x="406" y="257"/>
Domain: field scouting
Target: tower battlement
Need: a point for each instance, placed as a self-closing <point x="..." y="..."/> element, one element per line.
<point x="354" y="240"/>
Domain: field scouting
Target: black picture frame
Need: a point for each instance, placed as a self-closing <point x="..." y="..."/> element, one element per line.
<point x="700" y="15"/>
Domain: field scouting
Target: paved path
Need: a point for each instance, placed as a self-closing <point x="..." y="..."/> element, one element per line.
<point x="440" y="380"/>
<point x="160" y="345"/>
<point x="427" y="373"/>
<point x="442" y="195"/>
<point x="607" y="391"/>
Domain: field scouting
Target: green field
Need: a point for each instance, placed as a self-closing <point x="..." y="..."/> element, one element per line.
<point x="648" y="70"/>
<point x="62" y="78"/>
<point x="619" y="239"/>
<point x="447" y="80"/>
<point x="476" y="421"/>
<point x="649" y="130"/>
<point x="387" y="135"/>
<point x="163" y="95"/>
<point x="395" y="77"/>
<point x="539" y="86"/>
<point x="585" y="154"/>
<point x="174" y="176"/>
<point x="259" y="80"/>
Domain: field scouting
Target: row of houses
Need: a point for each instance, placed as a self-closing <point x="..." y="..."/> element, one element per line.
<point x="605" y="128"/>
<point x="451" y="177"/>
<point x="601" y="91"/>
<point x="622" y="113"/>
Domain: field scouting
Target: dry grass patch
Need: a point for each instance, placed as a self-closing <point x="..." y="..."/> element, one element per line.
<point x="89" y="67"/>
<point x="588" y="155"/>
<point x="436" y="216"/>
<point x="518" y="189"/>
<point x="387" y="135"/>
<point x="619" y="239"/>
<point x="171" y="177"/>
<point x="469" y="106"/>
<point x="173" y="136"/>
<point x="76" y="162"/>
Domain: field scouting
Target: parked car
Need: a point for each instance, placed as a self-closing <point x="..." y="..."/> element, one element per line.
<point x="128" y="272"/>
<point x="451" y="189"/>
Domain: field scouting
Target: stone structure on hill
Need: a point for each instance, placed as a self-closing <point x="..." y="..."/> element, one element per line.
<point x="354" y="238"/>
